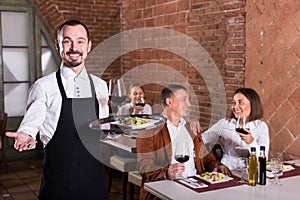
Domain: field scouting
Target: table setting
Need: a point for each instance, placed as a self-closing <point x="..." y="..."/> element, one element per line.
<point x="233" y="188"/>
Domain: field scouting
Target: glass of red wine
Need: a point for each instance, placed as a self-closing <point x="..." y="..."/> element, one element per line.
<point x="182" y="153"/>
<point x="241" y="128"/>
<point x="141" y="102"/>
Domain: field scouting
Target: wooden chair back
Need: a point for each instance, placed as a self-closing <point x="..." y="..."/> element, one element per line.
<point x="3" y="121"/>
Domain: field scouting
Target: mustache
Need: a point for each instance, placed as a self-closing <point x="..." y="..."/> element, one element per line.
<point x="74" y="52"/>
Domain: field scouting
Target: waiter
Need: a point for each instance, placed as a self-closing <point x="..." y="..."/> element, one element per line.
<point x="59" y="107"/>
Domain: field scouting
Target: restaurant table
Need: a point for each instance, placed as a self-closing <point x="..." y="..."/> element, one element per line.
<point x="290" y="190"/>
<point x="124" y="142"/>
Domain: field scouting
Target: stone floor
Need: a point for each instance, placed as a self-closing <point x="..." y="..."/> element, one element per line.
<point x="20" y="180"/>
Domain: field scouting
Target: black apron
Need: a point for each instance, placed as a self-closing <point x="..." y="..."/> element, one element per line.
<point x="69" y="170"/>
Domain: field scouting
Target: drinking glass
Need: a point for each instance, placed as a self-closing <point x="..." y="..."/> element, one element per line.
<point x="242" y="165"/>
<point x="141" y="102"/>
<point x="182" y="153"/>
<point x="241" y="128"/>
<point x="276" y="168"/>
<point x="117" y="91"/>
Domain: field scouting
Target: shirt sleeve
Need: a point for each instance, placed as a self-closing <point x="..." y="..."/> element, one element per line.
<point x="213" y="133"/>
<point x="261" y="137"/>
<point x="35" y="111"/>
<point x="124" y="109"/>
<point x="148" y="109"/>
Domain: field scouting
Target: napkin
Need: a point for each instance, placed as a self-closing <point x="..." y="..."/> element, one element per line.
<point x="193" y="183"/>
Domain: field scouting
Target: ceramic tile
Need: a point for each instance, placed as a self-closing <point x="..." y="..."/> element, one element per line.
<point x="20" y="180"/>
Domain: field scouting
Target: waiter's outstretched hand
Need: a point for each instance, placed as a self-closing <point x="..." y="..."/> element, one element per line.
<point x="23" y="140"/>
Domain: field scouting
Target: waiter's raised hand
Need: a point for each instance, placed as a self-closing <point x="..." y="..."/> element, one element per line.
<point x="23" y="140"/>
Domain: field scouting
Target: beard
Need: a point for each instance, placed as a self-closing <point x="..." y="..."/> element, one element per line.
<point x="73" y="63"/>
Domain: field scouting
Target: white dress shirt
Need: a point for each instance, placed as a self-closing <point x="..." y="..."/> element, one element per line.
<point x="180" y="134"/>
<point x="224" y="132"/>
<point x="45" y="101"/>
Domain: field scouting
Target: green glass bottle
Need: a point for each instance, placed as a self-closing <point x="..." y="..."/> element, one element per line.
<point x="252" y="173"/>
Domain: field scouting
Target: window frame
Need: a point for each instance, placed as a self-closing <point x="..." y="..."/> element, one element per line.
<point x="36" y="28"/>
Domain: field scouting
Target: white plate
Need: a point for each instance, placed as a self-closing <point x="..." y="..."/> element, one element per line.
<point x="150" y="123"/>
<point x="212" y="180"/>
<point x="285" y="167"/>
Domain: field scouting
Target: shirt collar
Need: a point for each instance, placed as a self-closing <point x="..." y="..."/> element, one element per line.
<point x="68" y="74"/>
<point x="182" y="122"/>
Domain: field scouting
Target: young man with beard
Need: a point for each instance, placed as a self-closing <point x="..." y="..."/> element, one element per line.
<point x="59" y="107"/>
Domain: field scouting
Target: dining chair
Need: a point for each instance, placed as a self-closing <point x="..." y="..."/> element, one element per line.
<point x="3" y="121"/>
<point x="124" y="165"/>
<point x="135" y="179"/>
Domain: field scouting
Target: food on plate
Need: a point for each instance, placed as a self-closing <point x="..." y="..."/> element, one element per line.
<point x="129" y="121"/>
<point x="284" y="167"/>
<point x="212" y="176"/>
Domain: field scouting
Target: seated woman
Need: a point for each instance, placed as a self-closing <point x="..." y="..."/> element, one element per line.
<point x="246" y="105"/>
<point x="137" y="103"/>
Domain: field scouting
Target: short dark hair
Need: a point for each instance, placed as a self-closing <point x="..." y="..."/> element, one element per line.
<point x="257" y="111"/>
<point x="73" y="22"/>
<point x="169" y="91"/>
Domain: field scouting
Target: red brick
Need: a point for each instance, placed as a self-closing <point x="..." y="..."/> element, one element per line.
<point x="279" y="120"/>
<point x="294" y="99"/>
<point x="293" y="149"/>
<point x="294" y="125"/>
<point x="296" y="46"/>
<point x="278" y="143"/>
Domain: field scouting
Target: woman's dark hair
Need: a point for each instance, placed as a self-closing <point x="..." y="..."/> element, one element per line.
<point x="257" y="111"/>
<point x="74" y="22"/>
<point x="169" y="91"/>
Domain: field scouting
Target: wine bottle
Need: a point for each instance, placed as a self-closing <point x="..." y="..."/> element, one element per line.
<point x="252" y="174"/>
<point x="262" y="166"/>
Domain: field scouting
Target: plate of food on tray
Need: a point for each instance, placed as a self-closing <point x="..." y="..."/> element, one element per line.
<point x="214" y="177"/>
<point x="134" y="122"/>
<point x="127" y="123"/>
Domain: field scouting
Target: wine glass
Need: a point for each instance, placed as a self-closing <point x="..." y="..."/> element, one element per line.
<point x="141" y="102"/>
<point x="182" y="153"/>
<point x="242" y="165"/>
<point x="276" y="168"/>
<point x="241" y="128"/>
<point x="117" y="91"/>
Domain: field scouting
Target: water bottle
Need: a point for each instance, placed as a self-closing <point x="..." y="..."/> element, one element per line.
<point x="252" y="174"/>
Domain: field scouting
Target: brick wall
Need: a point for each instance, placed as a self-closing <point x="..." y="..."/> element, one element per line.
<point x="273" y="69"/>
<point x="262" y="53"/>
<point x="101" y="16"/>
<point x="217" y="26"/>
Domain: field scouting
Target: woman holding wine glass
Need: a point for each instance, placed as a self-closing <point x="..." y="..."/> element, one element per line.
<point x="160" y="151"/>
<point x="137" y="104"/>
<point x="243" y="130"/>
